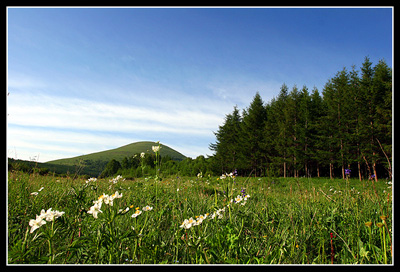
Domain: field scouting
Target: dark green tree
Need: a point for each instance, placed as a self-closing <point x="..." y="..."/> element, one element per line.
<point x="112" y="168"/>
<point x="252" y="136"/>
<point x="227" y="147"/>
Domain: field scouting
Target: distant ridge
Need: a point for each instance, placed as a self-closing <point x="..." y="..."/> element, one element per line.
<point x="98" y="160"/>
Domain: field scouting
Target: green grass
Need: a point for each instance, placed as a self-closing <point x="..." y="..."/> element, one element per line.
<point x="285" y="221"/>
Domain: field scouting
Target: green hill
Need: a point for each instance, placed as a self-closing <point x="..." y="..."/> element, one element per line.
<point x="94" y="163"/>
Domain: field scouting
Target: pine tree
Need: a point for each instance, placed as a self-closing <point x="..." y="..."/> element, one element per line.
<point x="336" y="98"/>
<point x="317" y="111"/>
<point x="281" y="126"/>
<point x="252" y="135"/>
<point x="227" y="147"/>
<point x="304" y="129"/>
<point x="367" y="113"/>
<point x="382" y="86"/>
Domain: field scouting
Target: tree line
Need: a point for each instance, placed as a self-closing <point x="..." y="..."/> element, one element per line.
<point x="299" y="133"/>
<point x="137" y="166"/>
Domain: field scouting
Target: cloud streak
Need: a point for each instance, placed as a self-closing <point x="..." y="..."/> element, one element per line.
<point x="68" y="113"/>
<point x="60" y="127"/>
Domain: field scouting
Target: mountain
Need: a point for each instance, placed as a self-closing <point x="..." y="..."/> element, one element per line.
<point x="95" y="162"/>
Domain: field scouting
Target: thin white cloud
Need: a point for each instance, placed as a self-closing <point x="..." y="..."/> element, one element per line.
<point x="67" y="127"/>
<point x="47" y="111"/>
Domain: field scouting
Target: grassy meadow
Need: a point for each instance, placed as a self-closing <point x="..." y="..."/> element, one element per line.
<point x="198" y="220"/>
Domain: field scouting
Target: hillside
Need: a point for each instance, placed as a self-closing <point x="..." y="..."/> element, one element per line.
<point x="95" y="162"/>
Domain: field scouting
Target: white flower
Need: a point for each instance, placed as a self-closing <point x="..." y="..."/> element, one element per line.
<point x="48" y="215"/>
<point x="223" y="176"/>
<point x="95" y="209"/>
<point x="142" y="155"/>
<point x="108" y="200"/>
<point x="200" y="175"/>
<point x="219" y="213"/>
<point x="116" y="179"/>
<point x="136" y="213"/>
<point x="57" y="214"/>
<point x="147" y="208"/>
<point x="36" y="223"/>
<point x="188" y="223"/>
<point x="238" y="198"/>
<point x="91" y="180"/>
<point x="116" y="195"/>
<point x="156" y="148"/>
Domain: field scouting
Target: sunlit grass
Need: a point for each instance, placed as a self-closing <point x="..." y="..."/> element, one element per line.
<point x="283" y="221"/>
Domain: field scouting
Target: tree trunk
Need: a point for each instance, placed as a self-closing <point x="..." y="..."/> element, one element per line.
<point x="284" y="169"/>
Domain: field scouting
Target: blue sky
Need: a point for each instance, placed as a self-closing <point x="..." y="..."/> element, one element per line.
<point x="82" y="80"/>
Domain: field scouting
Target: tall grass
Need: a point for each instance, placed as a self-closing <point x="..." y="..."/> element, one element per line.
<point x="284" y="221"/>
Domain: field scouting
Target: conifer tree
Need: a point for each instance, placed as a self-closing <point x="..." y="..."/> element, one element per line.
<point x="252" y="135"/>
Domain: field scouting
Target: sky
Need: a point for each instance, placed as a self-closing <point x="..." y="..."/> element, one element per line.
<point x="83" y="80"/>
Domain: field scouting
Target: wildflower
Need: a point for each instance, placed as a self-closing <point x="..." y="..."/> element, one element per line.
<point x="142" y="155"/>
<point x="136" y="213"/>
<point x="95" y="209"/>
<point x="238" y="199"/>
<point x="50" y="215"/>
<point x="44" y="216"/>
<point x="200" y="175"/>
<point x="218" y="213"/>
<point x="91" y="180"/>
<point x="116" y="179"/>
<point x="188" y="223"/>
<point x="116" y="195"/>
<point x="36" y="223"/>
<point x="379" y="225"/>
<point x="156" y="148"/>
<point x="100" y="198"/>
<point x="223" y="176"/>
<point x="347" y="172"/>
<point x="147" y="208"/>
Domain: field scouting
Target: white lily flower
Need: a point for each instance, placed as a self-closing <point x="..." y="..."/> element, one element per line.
<point x="95" y="209"/>
<point x="36" y="223"/>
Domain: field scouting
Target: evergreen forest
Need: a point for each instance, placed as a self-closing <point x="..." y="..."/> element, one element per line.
<point x="345" y="131"/>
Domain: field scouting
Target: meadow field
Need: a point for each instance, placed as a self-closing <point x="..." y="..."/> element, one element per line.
<point x="198" y="220"/>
